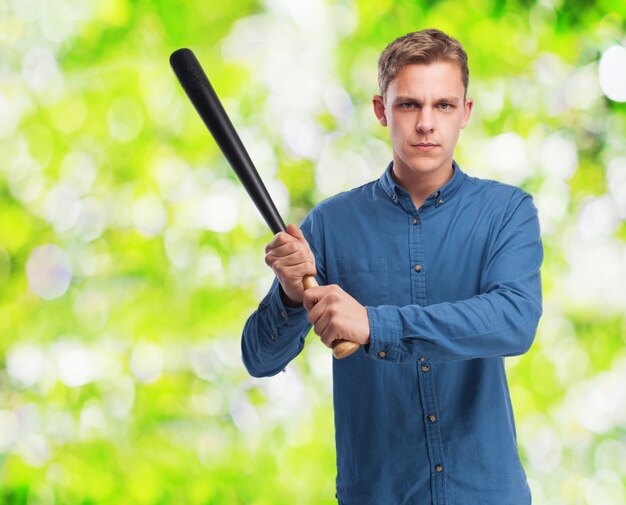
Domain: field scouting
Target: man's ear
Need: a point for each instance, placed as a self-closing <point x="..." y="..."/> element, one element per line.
<point x="379" y="109"/>
<point x="467" y="112"/>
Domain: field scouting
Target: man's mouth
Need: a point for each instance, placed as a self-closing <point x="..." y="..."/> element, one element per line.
<point x="425" y="146"/>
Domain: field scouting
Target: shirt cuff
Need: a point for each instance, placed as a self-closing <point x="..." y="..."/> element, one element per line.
<point x="278" y="317"/>
<point x="385" y="334"/>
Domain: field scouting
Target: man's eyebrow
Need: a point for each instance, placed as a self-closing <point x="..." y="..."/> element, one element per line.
<point x="453" y="100"/>
<point x="399" y="99"/>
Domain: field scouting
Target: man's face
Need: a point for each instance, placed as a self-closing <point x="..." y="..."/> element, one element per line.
<point x="425" y="109"/>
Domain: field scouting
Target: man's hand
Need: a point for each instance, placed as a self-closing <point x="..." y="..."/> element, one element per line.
<point x="336" y="315"/>
<point x="291" y="259"/>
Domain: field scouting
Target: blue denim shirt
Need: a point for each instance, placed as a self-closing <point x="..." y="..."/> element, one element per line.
<point x="422" y="414"/>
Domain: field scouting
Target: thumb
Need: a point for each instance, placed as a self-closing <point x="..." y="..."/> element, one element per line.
<point x="311" y="297"/>
<point x="294" y="231"/>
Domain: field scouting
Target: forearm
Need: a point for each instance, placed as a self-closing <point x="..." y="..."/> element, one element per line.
<point x="273" y="335"/>
<point x="500" y="323"/>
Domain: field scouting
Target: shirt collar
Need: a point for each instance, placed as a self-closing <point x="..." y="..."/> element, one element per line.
<point x="437" y="198"/>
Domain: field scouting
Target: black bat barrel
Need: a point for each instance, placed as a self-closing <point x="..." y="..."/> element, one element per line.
<point x="199" y="90"/>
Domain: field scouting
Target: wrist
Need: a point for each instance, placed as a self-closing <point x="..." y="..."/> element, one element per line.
<point x="288" y="302"/>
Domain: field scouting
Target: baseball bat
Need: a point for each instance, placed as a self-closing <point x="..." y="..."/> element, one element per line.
<point x="199" y="90"/>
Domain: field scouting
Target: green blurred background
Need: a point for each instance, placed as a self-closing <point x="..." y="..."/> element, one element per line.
<point x="130" y="257"/>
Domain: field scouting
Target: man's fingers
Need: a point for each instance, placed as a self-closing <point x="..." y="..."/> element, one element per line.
<point x="311" y="297"/>
<point x="292" y="265"/>
<point x="320" y="297"/>
<point x="326" y="328"/>
<point x="318" y="316"/>
<point x="336" y="315"/>
<point x="291" y="259"/>
<point x="280" y="239"/>
<point x="285" y="249"/>
<point x="296" y="232"/>
<point x="286" y="242"/>
<point x="294" y="274"/>
<point x="286" y="237"/>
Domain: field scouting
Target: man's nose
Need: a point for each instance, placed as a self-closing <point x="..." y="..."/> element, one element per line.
<point x="425" y="121"/>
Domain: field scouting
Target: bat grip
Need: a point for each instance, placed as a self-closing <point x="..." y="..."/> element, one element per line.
<point x="341" y="348"/>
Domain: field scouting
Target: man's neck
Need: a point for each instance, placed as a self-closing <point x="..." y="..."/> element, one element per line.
<point x="421" y="186"/>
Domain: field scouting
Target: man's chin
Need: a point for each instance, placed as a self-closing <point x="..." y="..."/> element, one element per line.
<point x="423" y="169"/>
<point x="425" y="166"/>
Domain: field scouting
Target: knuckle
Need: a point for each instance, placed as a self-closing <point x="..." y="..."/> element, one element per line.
<point x="281" y="239"/>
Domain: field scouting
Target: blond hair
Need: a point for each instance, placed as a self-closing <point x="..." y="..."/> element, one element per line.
<point x="423" y="47"/>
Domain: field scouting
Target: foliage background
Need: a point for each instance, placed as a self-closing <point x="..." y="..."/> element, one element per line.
<point x="130" y="257"/>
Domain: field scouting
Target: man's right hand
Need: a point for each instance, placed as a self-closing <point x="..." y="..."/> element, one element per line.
<point x="291" y="259"/>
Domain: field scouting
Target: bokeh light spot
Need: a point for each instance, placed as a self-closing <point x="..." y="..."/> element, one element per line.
<point x="149" y="216"/>
<point x="219" y="210"/>
<point x="25" y="364"/>
<point x="78" y="170"/>
<point x="41" y="72"/>
<point x="49" y="271"/>
<point x="558" y="156"/>
<point x="147" y="362"/>
<point x="612" y="73"/>
<point x="125" y="119"/>
<point x="62" y="206"/>
<point x="9" y="427"/>
<point x="76" y="364"/>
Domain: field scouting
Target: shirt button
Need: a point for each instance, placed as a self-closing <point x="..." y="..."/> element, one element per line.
<point x="273" y="337"/>
<point x="415" y="220"/>
<point x="425" y="368"/>
<point x="282" y="314"/>
<point x="438" y="468"/>
<point x="422" y="359"/>
<point x="440" y="201"/>
<point x="432" y="418"/>
<point x="382" y="354"/>
<point x="437" y="194"/>
<point x="418" y="268"/>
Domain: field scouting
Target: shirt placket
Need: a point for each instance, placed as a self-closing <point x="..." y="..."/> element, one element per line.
<point x="425" y="371"/>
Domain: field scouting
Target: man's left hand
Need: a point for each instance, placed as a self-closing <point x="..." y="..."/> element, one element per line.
<point x="335" y="315"/>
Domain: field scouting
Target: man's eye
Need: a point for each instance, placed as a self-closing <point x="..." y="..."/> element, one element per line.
<point x="445" y="106"/>
<point x="408" y="105"/>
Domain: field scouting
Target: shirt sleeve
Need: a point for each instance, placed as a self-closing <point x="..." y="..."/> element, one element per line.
<point x="500" y="321"/>
<point x="275" y="333"/>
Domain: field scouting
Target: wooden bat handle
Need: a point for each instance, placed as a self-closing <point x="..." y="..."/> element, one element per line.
<point x="341" y="348"/>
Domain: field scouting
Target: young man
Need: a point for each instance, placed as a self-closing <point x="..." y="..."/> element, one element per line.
<point x="436" y="274"/>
